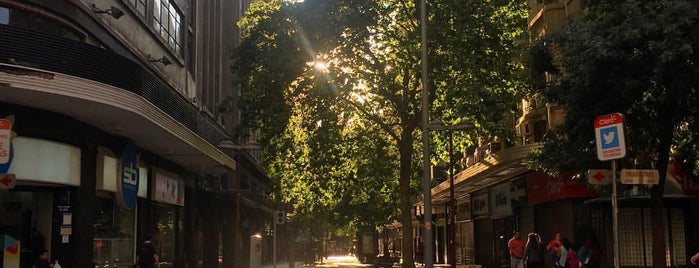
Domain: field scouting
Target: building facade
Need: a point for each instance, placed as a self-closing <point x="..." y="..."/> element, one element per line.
<point x="110" y="131"/>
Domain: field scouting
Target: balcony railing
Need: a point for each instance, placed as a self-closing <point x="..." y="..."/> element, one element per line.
<point x="60" y="55"/>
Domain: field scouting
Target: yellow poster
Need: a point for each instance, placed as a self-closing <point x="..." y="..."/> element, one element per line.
<point x="11" y="249"/>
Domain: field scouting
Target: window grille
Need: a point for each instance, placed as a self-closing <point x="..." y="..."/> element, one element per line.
<point x="167" y="23"/>
<point x="138" y="6"/>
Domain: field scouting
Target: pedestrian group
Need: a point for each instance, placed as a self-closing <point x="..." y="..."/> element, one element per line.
<point x="561" y="253"/>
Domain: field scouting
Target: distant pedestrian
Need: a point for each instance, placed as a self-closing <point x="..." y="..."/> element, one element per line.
<point x="572" y="257"/>
<point x="593" y="258"/>
<point x="147" y="258"/>
<point x="534" y="252"/>
<point x="42" y="261"/>
<point x="516" y="247"/>
<point x="563" y="255"/>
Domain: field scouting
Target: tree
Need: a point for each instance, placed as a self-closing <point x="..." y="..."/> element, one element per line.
<point x="634" y="57"/>
<point x="334" y="87"/>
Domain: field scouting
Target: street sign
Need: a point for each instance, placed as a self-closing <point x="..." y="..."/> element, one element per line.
<point x="7" y="181"/>
<point x="609" y="133"/>
<point x="599" y="176"/>
<point x="640" y="176"/>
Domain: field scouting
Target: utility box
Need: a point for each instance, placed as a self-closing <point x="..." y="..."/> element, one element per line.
<point x="256" y="251"/>
<point x="10" y="252"/>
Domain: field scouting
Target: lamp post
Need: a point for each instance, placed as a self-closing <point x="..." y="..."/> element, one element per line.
<point x="438" y="125"/>
<point x="425" y="106"/>
<point x="237" y="241"/>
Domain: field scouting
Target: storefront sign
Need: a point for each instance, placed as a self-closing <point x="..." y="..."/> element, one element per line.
<point x="128" y="186"/>
<point x="6" y="150"/>
<point x="518" y="189"/>
<point x="168" y="188"/>
<point x="479" y="204"/>
<point x="5" y="140"/>
<point x="542" y="188"/>
<point x="500" y="200"/>
<point x="688" y="181"/>
<point x="463" y="210"/>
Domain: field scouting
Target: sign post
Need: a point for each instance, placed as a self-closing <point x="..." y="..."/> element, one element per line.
<point x="611" y="145"/>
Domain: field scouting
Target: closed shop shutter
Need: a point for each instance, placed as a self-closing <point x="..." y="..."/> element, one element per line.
<point x="465" y="243"/>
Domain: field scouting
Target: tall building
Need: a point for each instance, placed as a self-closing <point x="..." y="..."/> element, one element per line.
<point x="110" y="130"/>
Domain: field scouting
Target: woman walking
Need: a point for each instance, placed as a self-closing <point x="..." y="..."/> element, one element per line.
<point x="534" y="252"/>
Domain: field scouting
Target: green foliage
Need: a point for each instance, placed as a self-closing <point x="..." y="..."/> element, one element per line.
<point x="634" y="57"/>
<point x="334" y="88"/>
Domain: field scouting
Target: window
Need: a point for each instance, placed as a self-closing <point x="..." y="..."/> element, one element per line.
<point x="114" y="234"/>
<point x="40" y="22"/>
<point x="167" y="23"/>
<point x="4" y="16"/>
<point x="139" y="6"/>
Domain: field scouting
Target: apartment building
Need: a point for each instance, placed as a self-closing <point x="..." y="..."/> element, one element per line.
<point x="111" y="130"/>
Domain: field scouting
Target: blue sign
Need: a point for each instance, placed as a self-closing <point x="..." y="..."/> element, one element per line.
<point x="128" y="187"/>
<point x="610" y="137"/>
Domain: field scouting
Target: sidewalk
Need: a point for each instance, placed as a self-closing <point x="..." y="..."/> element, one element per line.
<point x="284" y="264"/>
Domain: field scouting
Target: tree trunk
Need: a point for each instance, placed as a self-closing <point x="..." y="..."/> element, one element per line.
<point x="657" y="211"/>
<point x="406" y="154"/>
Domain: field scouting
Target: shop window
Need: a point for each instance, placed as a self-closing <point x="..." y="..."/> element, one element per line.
<point x="167" y="224"/>
<point x="40" y="22"/>
<point x="167" y="23"/>
<point x="114" y="234"/>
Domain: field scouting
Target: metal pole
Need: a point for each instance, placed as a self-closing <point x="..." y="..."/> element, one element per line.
<point x="452" y="202"/>
<point x="615" y="216"/>
<point x="274" y="242"/>
<point x="426" y="186"/>
<point x="236" y="239"/>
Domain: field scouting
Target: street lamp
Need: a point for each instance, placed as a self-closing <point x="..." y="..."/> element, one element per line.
<point x="239" y="147"/>
<point x="438" y="126"/>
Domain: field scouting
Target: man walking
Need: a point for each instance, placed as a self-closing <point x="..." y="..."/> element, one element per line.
<point x="516" y="247"/>
<point x="147" y="258"/>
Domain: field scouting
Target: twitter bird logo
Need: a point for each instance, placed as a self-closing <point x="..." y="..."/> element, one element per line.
<point x="610" y="137"/>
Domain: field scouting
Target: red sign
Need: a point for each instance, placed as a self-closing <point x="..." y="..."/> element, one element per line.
<point x="610" y="119"/>
<point x="688" y="181"/>
<point x="542" y="188"/>
<point x="5" y="139"/>
<point x="7" y="181"/>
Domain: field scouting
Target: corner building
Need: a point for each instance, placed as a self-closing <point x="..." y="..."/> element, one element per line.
<point x="112" y="134"/>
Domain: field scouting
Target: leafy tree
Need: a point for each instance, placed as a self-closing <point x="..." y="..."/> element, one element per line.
<point x="335" y="89"/>
<point x="635" y="57"/>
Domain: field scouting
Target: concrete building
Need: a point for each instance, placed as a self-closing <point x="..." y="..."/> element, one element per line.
<point x="110" y="131"/>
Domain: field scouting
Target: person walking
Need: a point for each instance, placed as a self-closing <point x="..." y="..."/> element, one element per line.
<point x="534" y="252"/>
<point x="147" y="258"/>
<point x="572" y="257"/>
<point x="516" y="247"/>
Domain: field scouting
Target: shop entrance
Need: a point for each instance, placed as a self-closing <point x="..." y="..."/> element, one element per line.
<point x="27" y="216"/>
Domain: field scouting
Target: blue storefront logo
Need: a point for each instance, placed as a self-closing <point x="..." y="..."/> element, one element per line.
<point x="129" y="177"/>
